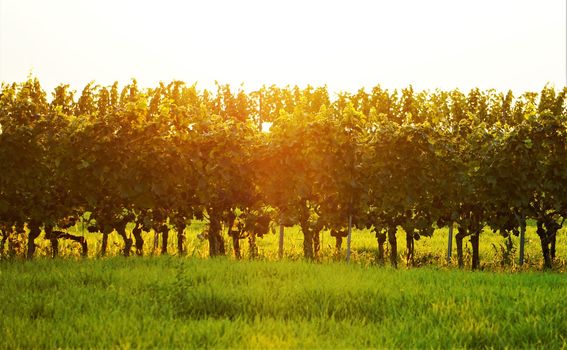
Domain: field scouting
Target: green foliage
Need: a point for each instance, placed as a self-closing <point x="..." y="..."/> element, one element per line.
<point x="163" y="156"/>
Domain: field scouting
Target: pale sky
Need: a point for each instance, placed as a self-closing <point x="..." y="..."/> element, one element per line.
<point x="502" y="44"/>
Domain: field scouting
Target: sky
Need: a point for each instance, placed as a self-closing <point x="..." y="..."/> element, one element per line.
<point x="346" y="45"/>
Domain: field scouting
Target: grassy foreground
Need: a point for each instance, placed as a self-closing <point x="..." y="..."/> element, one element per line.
<point x="172" y="302"/>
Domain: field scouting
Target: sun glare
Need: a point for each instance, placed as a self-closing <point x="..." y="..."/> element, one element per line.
<point x="266" y="126"/>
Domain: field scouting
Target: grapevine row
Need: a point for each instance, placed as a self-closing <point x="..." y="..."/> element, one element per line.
<point x="162" y="157"/>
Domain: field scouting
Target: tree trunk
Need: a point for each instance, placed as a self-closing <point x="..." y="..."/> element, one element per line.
<point x="307" y="241"/>
<point x="236" y="244"/>
<point x="84" y="247"/>
<point x="461" y="233"/>
<point x="544" y="239"/>
<point x="3" y="242"/>
<point x="220" y="239"/>
<point x="552" y="238"/>
<point x="522" y="240"/>
<point x="181" y="238"/>
<point x="253" y="246"/>
<point x="121" y="230"/>
<point x="381" y="238"/>
<point x="156" y="241"/>
<point x="54" y="247"/>
<point x="281" y="242"/>
<point x="164" y="239"/>
<point x="216" y="242"/>
<point x="139" y="241"/>
<point x="338" y="243"/>
<point x="393" y="246"/>
<point x="475" y="251"/>
<point x="34" y="231"/>
<point x="316" y="243"/>
<point x="53" y="239"/>
<point x="104" y="244"/>
<point x="409" y="248"/>
<point x="546" y="252"/>
<point x="235" y="236"/>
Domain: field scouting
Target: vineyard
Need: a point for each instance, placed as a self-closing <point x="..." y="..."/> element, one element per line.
<point x="148" y="164"/>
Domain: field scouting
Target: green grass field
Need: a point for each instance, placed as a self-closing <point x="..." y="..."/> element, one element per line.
<point x="197" y="302"/>
<point x="172" y="302"/>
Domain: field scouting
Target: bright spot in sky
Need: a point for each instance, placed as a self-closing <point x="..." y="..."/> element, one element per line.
<point x="517" y="44"/>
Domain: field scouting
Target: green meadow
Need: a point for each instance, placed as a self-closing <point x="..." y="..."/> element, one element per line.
<point x="174" y="302"/>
